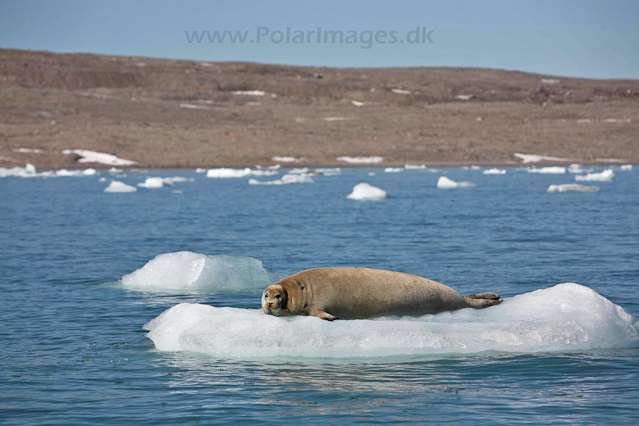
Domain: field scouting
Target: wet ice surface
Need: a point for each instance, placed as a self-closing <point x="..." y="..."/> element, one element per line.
<point x="74" y="350"/>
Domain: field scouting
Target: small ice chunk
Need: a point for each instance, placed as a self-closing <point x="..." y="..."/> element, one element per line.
<point x="494" y="172"/>
<point x="547" y="170"/>
<point x="186" y="271"/>
<point x="115" y="170"/>
<point x="334" y="171"/>
<point x="415" y="167"/>
<point x="578" y="168"/>
<point x="175" y="179"/>
<point x="200" y="170"/>
<point x="299" y="171"/>
<point x="27" y="171"/>
<point x="361" y="160"/>
<point x="371" y="173"/>
<point x="605" y="176"/>
<point x="286" y="180"/>
<point x="626" y="167"/>
<point x="102" y="179"/>
<point x="152" y="182"/>
<point x="445" y="183"/>
<point x="67" y="173"/>
<point x="117" y="186"/>
<point x="228" y="173"/>
<point x="572" y="187"/>
<point x="393" y="170"/>
<point x="89" y="172"/>
<point x="365" y="192"/>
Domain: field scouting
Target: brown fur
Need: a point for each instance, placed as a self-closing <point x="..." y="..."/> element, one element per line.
<point x="355" y="293"/>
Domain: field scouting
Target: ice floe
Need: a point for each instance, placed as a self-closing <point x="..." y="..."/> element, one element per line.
<point x="228" y="173"/>
<point x="547" y="170"/>
<point x="200" y="170"/>
<point x="605" y="176"/>
<point x="28" y="171"/>
<point x="365" y="192"/>
<point x="572" y="187"/>
<point x="566" y="317"/>
<point x="285" y="180"/>
<point x="186" y="271"/>
<point x="445" y="183"/>
<point x="393" y="170"/>
<point x="117" y="186"/>
<point x="274" y="167"/>
<point x="287" y="159"/>
<point x="115" y="170"/>
<point x="334" y="171"/>
<point x="176" y="179"/>
<point x="361" y="160"/>
<point x="532" y="158"/>
<point x="152" y="183"/>
<point x="577" y="168"/>
<point x="494" y="172"/>
<point x="98" y="157"/>
<point x="471" y="168"/>
<point x="626" y="167"/>
<point x="415" y="167"/>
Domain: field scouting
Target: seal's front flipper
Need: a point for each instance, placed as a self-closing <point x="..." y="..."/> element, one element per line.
<point x="321" y="314"/>
<point x="483" y="300"/>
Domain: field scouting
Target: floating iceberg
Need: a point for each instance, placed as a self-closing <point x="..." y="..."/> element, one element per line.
<point x="361" y="160"/>
<point x="334" y="171"/>
<point x="393" y="170"/>
<point x="605" y="176"/>
<point x="626" y="167"/>
<point x="548" y="170"/>
<point x="116" y="186"/>
<point x="89" y="172"/>
<point x="286" y="180"/>
<point x="366" y="192"/>
<point x="98" y="157"/>
<point x="175" y="179"/>
<point x="566" y="317"/>
<point x="415" y="167"/>
<point x="152" y="183"/>
<point x="445" y="183"/>
<point x="186" y="271"/>
<point x="572" y="187"/>
<point x="494" y="172"/>
<point x="577" y="168"/>
<point x="200" y="170"/>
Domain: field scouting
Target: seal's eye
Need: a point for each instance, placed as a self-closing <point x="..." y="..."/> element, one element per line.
<point x="277" y="296"/>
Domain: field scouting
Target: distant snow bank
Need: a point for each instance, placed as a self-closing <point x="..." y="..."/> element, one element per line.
<point x="365" y="192"/>
<point x="445" y="183"/>
<point x="533" y="158"/>
<point x="605" y="176"/>
<point x="98" y="157"/>
<point x="572" y="187"/>
<point x="186" y="271"/>
<point x="226" y="173"/>
<point x="361" y="160"/>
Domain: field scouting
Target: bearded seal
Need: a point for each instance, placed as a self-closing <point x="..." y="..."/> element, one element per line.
<point x="357" y="293"/>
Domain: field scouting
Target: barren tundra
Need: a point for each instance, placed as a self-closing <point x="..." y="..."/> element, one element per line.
<point x="170" y="113"/>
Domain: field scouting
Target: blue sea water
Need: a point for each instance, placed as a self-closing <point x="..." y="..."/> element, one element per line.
<point x="74" y="351"/>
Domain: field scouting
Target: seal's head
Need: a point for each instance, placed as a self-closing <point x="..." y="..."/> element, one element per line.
<point x="274" y="300"/>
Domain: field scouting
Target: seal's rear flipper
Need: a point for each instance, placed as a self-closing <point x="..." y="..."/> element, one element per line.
<point x="483" y="300"/>
<point x="321" y="314"/>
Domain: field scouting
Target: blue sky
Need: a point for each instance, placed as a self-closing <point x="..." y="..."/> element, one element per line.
<point x="570" y="38"/>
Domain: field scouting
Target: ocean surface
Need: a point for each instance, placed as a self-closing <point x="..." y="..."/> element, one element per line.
<point x="80" y="344"/>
